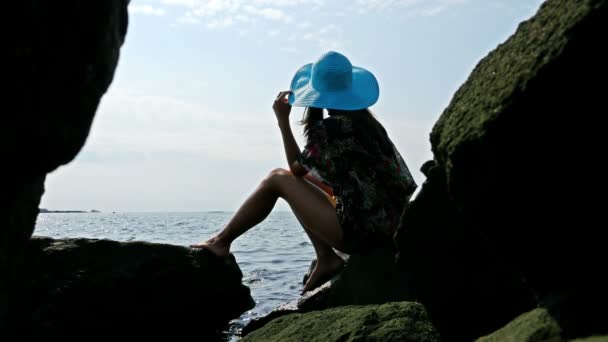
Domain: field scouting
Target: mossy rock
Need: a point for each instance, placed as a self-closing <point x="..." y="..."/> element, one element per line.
<point x="507" y="219"/>
<point x="396" y="321"/>
<point x="534" y="326"/>
<point x="592" y="339"/>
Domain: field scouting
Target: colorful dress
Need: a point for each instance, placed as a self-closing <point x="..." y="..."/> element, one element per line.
<point x="371" y="188"/>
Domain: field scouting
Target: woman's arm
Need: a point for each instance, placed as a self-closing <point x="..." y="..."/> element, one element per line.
<point x="292" y="150"/>
<point x="282" y="109"/>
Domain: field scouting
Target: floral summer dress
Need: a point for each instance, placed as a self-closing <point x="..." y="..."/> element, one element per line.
<point x="371" y="189"/>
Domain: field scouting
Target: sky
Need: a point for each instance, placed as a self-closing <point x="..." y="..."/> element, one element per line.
<point x="187" y="123"/>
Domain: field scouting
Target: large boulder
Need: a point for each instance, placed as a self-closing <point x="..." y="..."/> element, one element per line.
<point x="60" y="59"/>
<point x="510" y="213"/>
<point x="398" y="321"/>
<point x="141" y="290"/>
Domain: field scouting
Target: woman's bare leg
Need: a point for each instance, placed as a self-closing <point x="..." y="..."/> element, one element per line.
<point x="253" y="211"/>
<point x="309" y="204"/>
<point x="328" y="263"/>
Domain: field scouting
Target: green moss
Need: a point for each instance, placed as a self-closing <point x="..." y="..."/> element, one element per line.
<point x="397" y="321"/>
<point x="498" y="79"/>
<point x="533" y="326"/>
<point x="592" y="339"/>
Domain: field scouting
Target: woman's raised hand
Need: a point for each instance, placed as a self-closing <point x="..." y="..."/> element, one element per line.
<point x="281" y="106"/>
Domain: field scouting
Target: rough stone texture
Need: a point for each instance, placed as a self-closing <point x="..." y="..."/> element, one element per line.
<point x="140" y="290"/>
<point x="511" y="201"/>
<point x="534" y="326"/>
<point x="592" y="339"/>
<point x="60" y="59"/>
<point x="398" y="321"/>
<point x="537" y="325"/>
<point x="370" y="277"/>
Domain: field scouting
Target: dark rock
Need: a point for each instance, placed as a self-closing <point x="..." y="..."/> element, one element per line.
<point x="60" y="59"/>
<point x="508" y="217"/>
<point x="537" y="325"/>
<point x="596" y="338"/>
<point x="534" y="326"/>
<point x="141" y="290"/>
<point x="399" y="321"/>
<point x="369" y="277"/>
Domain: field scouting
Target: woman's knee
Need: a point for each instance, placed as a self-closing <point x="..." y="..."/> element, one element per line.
<point x="276" y="178"/>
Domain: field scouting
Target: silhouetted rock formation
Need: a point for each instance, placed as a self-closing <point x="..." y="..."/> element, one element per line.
<point x="135" y="289"/>
<point x="509" y="215"/>
<point x="61" y="59"/>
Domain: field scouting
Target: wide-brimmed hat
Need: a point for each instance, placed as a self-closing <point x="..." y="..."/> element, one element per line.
<point x="332" y="82"/>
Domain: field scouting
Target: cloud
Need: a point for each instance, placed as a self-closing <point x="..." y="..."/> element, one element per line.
<point x="416" y="7"/>
<point x="286" y="3"/>
<point x="146" y="10"/>
<point x="304" y="24"/>
<point x="289" y="49"/>
<point x="366" y="5"/>
<point x="221" y="14"/>
<point x="440" y="6"/>
<point x="432" y="11"/>
<point x="188" y="18"/>
<point x="220" y="23"/>
<point x="328" y="37"/>
<point x="216" y="12"/>
<point x="186" y="3"/>
<point x="139" y="124"/>
<point x="243" y="18"/>
<point x="269" y="13"/>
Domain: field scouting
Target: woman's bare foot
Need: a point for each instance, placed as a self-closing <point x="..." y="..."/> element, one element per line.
<point x="215" y="245"/>
<point x="324" y="270"/>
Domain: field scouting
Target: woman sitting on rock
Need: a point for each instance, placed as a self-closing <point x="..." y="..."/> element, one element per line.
<point x="349" y="185"/>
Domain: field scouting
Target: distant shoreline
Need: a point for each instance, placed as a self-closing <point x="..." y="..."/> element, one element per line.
<point x="46" y="211"/>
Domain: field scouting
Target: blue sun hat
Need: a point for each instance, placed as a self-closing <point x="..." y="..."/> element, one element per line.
<point x="332" y="82"/>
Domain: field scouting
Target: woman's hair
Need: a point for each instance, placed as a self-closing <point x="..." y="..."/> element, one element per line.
<point x="364" y="123"/>
<point x="312" y="115"/>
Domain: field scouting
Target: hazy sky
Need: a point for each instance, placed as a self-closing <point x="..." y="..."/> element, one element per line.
<point x="187" y="124"/>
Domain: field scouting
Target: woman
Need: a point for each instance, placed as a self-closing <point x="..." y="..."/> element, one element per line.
<point x="348" y="187"/>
